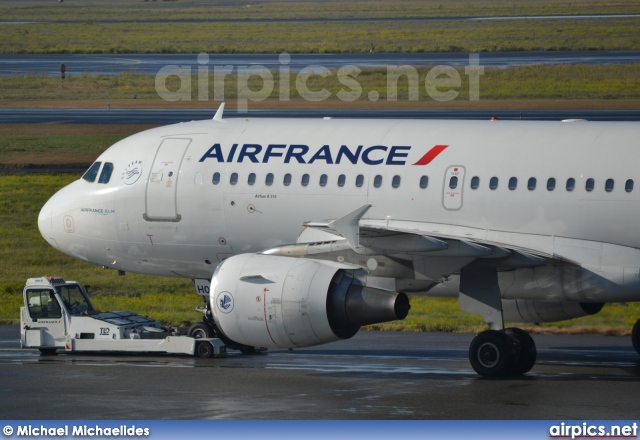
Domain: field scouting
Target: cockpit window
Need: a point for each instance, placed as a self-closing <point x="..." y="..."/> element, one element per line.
<point x="92" y="172"/>
<point x="105" y="175"/>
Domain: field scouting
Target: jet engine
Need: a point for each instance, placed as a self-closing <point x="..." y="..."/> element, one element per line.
<point x="272" y="301"/>
<point x="524" y="310"/>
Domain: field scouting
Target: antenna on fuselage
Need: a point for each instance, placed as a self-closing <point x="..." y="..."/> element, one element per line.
<point x="218" y="115"/>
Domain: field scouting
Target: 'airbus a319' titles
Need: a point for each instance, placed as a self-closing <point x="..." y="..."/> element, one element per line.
<point x="298" y="232"/>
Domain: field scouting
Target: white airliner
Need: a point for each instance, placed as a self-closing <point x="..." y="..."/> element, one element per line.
<point x="313" y="228"/>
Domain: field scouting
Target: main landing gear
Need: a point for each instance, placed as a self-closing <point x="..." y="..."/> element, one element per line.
<point x="498" y="352"/>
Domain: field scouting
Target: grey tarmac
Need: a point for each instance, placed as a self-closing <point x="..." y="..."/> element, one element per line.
<point x="375" y="375"/>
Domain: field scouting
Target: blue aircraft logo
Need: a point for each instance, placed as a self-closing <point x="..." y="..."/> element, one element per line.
<point x="224" y="301"/>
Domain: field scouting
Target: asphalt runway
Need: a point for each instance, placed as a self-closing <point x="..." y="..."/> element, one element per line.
<point x="173" y="116"/>
<point x="150" y="64"/>
<point x="375" y="375"/>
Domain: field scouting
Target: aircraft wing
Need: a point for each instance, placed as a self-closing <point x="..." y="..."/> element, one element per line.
<point x="441" y="254"/>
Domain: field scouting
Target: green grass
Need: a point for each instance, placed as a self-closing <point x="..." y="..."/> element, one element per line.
<point x="69" y="144"/>
<point x="92" y="27"/>
<point x="323" y="37"/>
<point x="566" y="81"/>
<point x="77" y="10"/>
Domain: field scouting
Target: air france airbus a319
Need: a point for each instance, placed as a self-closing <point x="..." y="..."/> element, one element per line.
<point x="300" y="231"/>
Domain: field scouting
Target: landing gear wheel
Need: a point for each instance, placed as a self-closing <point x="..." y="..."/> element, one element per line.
<point x="204" y="349"/>
<point x="635" y="336"/>
<point x="526" y="351"/>
<point x="491" y="353"/>
<point x="200" y="330"/>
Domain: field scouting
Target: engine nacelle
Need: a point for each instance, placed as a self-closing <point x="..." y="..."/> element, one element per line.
<point x="272" y="301"/>
<point x="524" y="310"/>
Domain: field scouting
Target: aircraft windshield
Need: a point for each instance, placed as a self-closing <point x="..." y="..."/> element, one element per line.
<point x="92" y="172"/>
<point x="73" y="299"/>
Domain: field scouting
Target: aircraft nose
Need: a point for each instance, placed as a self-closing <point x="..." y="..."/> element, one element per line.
<point x="45" y="222"/>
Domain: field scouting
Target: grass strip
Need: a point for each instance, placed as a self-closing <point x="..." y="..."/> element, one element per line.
<point x="323" y="37"/>
<point x="564" y="81"/>
<point x="134" y="10"/>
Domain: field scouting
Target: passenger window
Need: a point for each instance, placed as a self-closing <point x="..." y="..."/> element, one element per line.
<point x="92" y="172"/>
<point x="216" y="178"/>
<point x="252" y="179"/>
<point x="513" y="183"/>
<point x="453" y="182"/>
<point x="589" y="185"/>
<point x="323" y="180"/>
<point x="608" y="186"/>
<point x="551" y="184"/>
<point x="359" y="180"/>
<point x="233" y="179"/>
<point x="628" y="186"/>
<point x="424" y="182"/>
<point x="287" y="179"/>
<point x="493" y="183"/>
<point x="531" y="184"/>
<point x="305" y="180"/>
<point x="377" y="181"/>
<point x="395" y="182"/>
<point x="571" y="184"/>
<point x="269" y="179"/>
<point x="341" y="180"/>
<point x="105" y="175"/>
<point x="475" y="182"/>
